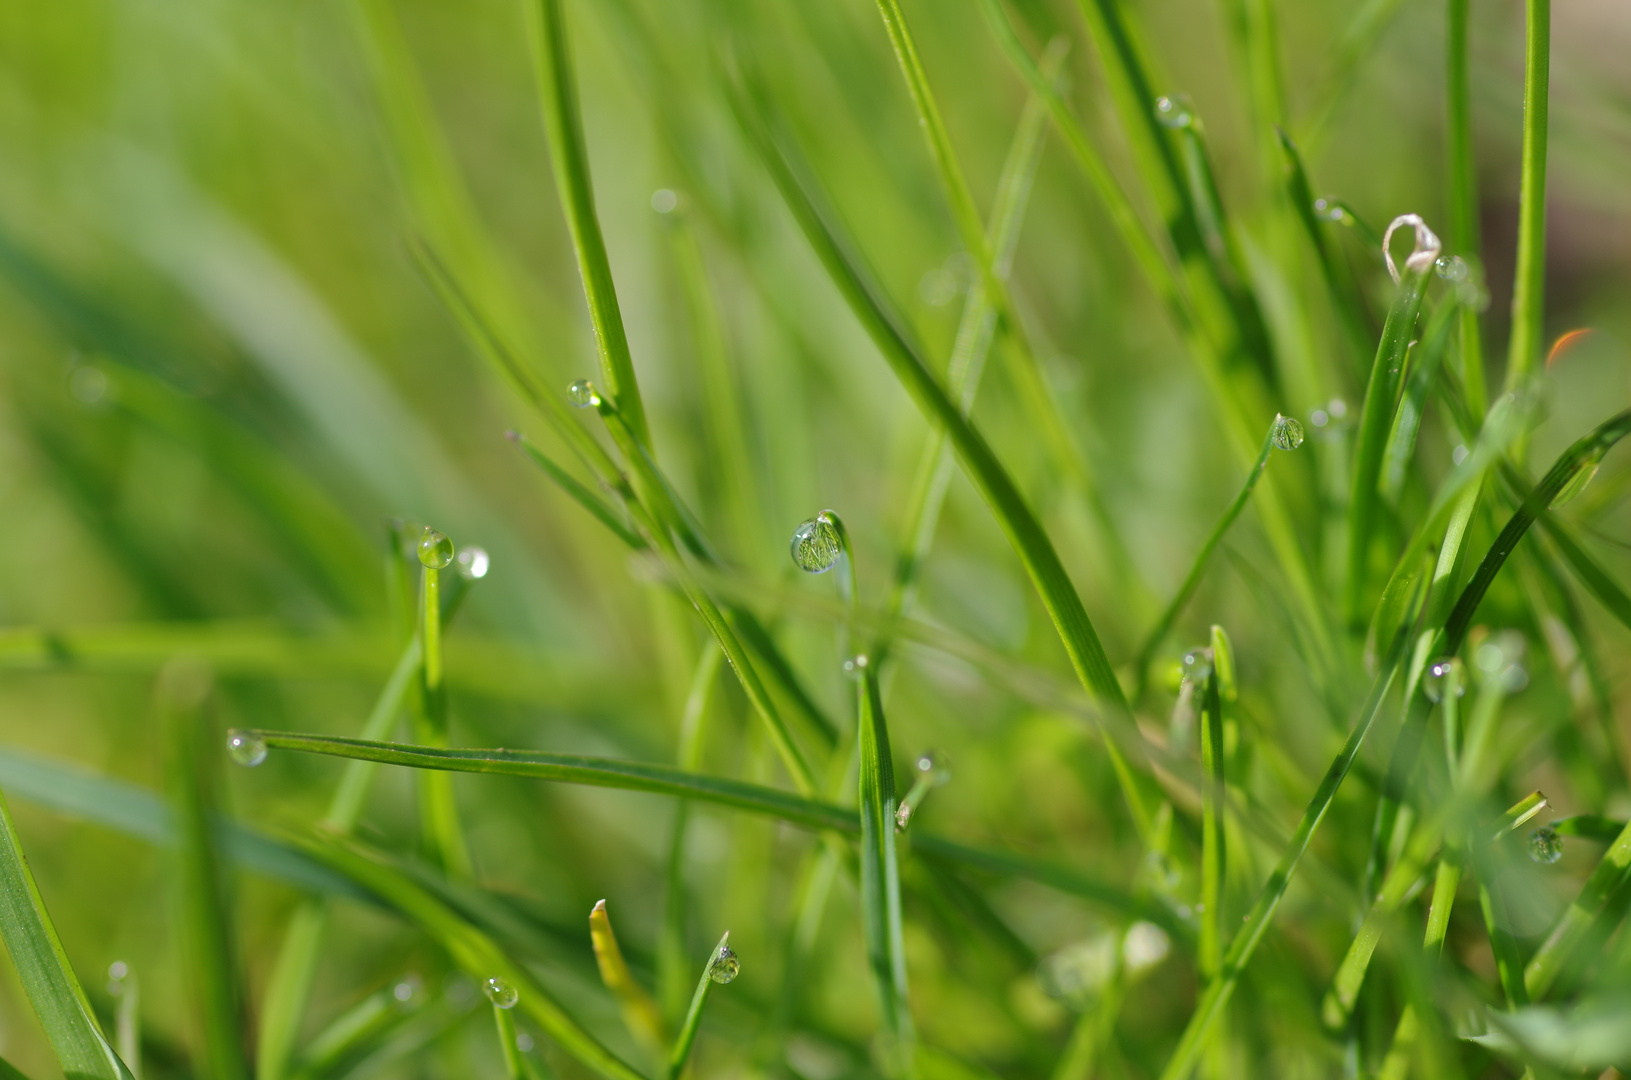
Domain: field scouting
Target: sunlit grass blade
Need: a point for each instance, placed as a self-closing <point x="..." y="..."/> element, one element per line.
<point x="1008" y="506"/>
<point x="721" y="967"/>
<point x="43" y="969"/>
<point x="1576" y="922"/>
<point x="598" y="508"/>
<point x="440" y="829"/>
<point x="1279" y="431"/>
<point x="508" y="1048"/>
<point x="352" y="1035"/>
<point x="471" y="949"/>
<point x="569" y="156"/>
<point x="1529" y="278"/>
<point x="205" y="921"/>
<point x="640" y="1013"/>
<point x="880" y="875"/>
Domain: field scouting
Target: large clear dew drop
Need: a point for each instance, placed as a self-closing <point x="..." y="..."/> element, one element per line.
<point x="435" y="549"/>
<point x="1288" y="433"/>
<point x="245" y="747"/>
<point x="1441" y="673"/>
<point x="815" y="546"/>
<point x="582" y="394"/>
<point x="473" y="563"/>
<point x="1173" y="112"/>
<point x="724" y="966"/>
<point x="501" y="992"/>
<point x="1545" y="845"/>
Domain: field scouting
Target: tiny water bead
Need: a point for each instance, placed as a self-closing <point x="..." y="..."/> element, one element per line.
<point x="664" y="201"/>
<point x="1173" y="112"/>
<point x="406" y="990"/>
<point x="473" y="563"/>
<point x="118" y="971"/>
<point x="1445" y="671"/>
<point x="435" y="549"/>
<point x="501" y="992"/>
<point x="1545" y="845"/>
<point x="245" y="747"/>
<point x="816" y="546"/>
<point x="1144" y="946"/>
<point x="855" y="666"/>
<point x="582" y="394"/>
<point x="1161" y="872"/>
<point x="1288" y="433"/>
<point x="1452" y="268"/>
<point x="724" y="966"/>
<point x="1330" y="210"/>
<point x="933" y="765"/>
<point x="1197" y="665"/>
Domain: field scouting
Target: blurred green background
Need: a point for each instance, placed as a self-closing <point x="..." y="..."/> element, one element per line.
<point x="221" y="373"/>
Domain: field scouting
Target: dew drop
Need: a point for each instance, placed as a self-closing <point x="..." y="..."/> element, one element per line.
<point x="663" y="200"/>
<point x="1329" y="210"/>
<point x="933" y="765"/>
<point x="473" y="563"/>
<point x="1145" y="946"/>
<point x="1173" y="112"/>
<point x="118" y="971"/>
<point x="582" y="394"/>
<point x="724" y="966"/>
<point x="406" y="990"/>
<point x="1545" y="846"/>
<point x="1445" y="671"/>
<point x="501" y="992"/>
<point x="1198" y="665"/>
<point x="855" y="666"/>
<point x="1161" y="872"/>
<point x="1337" y="408"/>
<point x="524" y="1042"/>
<point x="816" y="546"/>
<point x="88" y="384"/>
<point x="435" y="549"/>
<point x="245" y="747"/>
<point x="1319" y="418"/>
<point x="1288" y="433"/>
<point x="1452" y="268"/>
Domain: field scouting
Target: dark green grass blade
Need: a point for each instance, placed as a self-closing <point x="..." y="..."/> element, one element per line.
<point x="1214" y="795"/>
<point x="1008" y="506"/>
<point x="472" y="949"/>
<point x="42" y="967"/>
<point x="570" y="158"/>
<point x="1461" y="179"/>
<point x="205" y="924"/>
<point x="880" y="875"/>
<point x="1424" y="362"/>
<point x="1529" y="280"/>
<point x="693" y="1015"/>
<point x="598" y="508"/>
<point x="1345" y="295"/>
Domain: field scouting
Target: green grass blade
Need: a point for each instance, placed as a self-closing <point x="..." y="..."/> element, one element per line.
<point x="1461" y="178"/>
<point x="671" y="976"/>
<point x="471" y="949"/>
<point x="441" y="831"/>
<point x="43" y="969"/>
<point x="1423" y="364"/>
<point x="8" y="1071"/>
<point x="880" y="874"/>
<point x="570" y="157"/>
<point x="598" y="508"/>
<point x="1214" y="794"/>
<point x="283" y="1008"/>
<point x="687" y="1037"/>
<point x="507" y="1047"/>
<point x="205" y="913"/>
<point x="1529" y="280"/>
<point x="1358" y="43"/>
<point x="1008" y="506"/>
<point x="1376" y="420"/>
<point x="1345" y="295"/>
<point x="1218" y="992"/>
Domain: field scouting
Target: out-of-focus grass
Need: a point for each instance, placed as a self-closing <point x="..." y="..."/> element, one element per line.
<point x="257" y="264"/>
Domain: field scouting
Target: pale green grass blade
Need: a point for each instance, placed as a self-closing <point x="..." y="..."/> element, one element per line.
<point x="355" y="1032"/>
<point x="127" y="1017"/>
<point x="1424" y="361"/>
<point x="719" y="961"/>
<point x="511" y="1053"/>
<point x="205" y="921"/>
<point x="1008" y="506"/>
<point x="598" y="508"/>
<point x="880" y="875"/>
<point x="1529" y="282"/>
<point x="474" y="951"/>
<point x="672" y="975"/>
<point x="563" y="124"/>
<point x="1345" y="294"/>
<point x="1358" y="43"/>
<point x="440" y="827"/>
<point x="1461" y="179"/>
<point x="43" y="969"/>
<point x="283" y="1007"/>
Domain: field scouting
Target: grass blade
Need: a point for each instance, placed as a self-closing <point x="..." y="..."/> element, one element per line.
<point x="441" y="831"/>
<point x="570" y="158"/>
<point x="1529" y="278"/>
<point x="1214" y="794"/>
<point x="205" y="921"/>
<point x="880" y="874"/>
<point x="721" y="968"/>
<point x="640" y="1013"/>
<point x="598" y="508"/>
<point x="1461" y="176"/>
<point x="1008" y="506"/>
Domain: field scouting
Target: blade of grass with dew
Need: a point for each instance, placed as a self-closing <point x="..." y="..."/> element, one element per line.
<point x="967" y="364"/>
<point x="569" y="156"/>
<point x="687" y="1037"/>
<point x="204" y="915"/>
<point x="598" y="508"/>
<point x="721" y="791"/>
<point x="471" y="949"/>
<point x="1345" y="295"/>
<point x="1278" y="430"/>
<point x="1013" y="514"/>
<point x="127" y="1016"/>
<point x="993" y="281"/>
<point x="1376" y="418"/>
<point x="880" y="874"/>
<point x="671" y="975"/>
<point x="507" y="1046"/>
<point x="640" y="1013"/>
<point x="440" y="828"/>
<point x="42" y="967"/>
<point x="1529" y="277"/>
<point x="1461" y="179"/>
<point x="1423" y="366"/>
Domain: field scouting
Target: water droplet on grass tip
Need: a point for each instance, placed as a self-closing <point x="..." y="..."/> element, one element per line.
<point x="473" y="563"/>
<point x="663" y="200"/>
<point x="1145" y="946"/>
<point x="406" y="990"/>
<point x="855" y="666"/>
<point x="245" y="747"/>
<point x="1198" y="665"/>
<point x="816" y="546"/>
<point x="1329" y="210"/>
<point x="1452" y="268"/>
<point x="724" y="966"/>
<point x="435" y="549"/>
<point x="933" y="764"/>
<point x="1173" y="112"/>
<point x="1288" y="433"/>
<point x="501" y="992"/>
<point x="117" y="971"/>
<point x="1545" y="845"/>
<point x="582" y="394"/>
<point x="1445" y="671"/>
<point x="523" y="1042"/>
